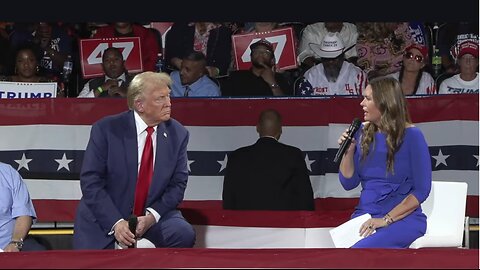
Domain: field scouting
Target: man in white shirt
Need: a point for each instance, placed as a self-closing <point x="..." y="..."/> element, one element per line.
<point x="334" y="75"/>
<point x="315" y="33"/>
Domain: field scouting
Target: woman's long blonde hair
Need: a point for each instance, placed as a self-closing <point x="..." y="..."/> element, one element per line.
<point x="390" y="101"/>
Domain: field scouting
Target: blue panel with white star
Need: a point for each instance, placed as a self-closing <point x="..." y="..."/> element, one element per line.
<point x="66" y="165"/>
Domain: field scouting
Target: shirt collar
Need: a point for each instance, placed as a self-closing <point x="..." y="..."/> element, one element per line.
<point x="140" y="124"/>
<point x="195" y="83"/>
<point x="122" y="77"/>
<point x="269" y="137"/>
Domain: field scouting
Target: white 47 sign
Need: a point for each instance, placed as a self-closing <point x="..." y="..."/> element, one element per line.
<point x="96" y="56"/>
<point x="91" y="52"/>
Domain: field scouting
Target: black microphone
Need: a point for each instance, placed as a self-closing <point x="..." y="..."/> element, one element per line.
<point x="132" y="225"/>
<point x="345" y="144"/>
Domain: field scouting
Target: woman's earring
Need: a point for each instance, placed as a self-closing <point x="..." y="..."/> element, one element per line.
<point x="38" y="69"/>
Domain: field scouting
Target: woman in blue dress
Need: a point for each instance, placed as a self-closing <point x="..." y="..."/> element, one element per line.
<point x="389" y="157"/>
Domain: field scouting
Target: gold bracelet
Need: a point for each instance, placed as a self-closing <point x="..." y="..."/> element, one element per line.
<point x="388" y="219"/>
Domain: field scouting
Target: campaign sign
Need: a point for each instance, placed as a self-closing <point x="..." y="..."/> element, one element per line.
<point x="28" y="90"/>
<point x="282" y="41"/>
<point x="91" y="52"/>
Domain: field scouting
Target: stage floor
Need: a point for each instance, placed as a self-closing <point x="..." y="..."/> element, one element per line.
<point x="245" y="258"/>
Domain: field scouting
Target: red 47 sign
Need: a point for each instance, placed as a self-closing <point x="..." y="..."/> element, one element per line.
<point x="281" y="39"/>
<point x="91" y="52"/>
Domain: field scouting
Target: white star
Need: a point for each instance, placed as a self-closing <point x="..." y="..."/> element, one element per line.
<point x="309" y="162"/>
<point x="23" y="163"/>
<point x="188" y="164"/>
<point x="440" y="158"/>
<point x="63" y="163"/>
<point x="476" y="156"/>
<point x="223" y="163"/>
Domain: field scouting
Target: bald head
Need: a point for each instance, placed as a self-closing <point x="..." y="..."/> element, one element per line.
<point x="270" y="124"/>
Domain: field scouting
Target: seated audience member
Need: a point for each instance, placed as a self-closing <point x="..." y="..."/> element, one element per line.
<point x="212" y="39"/>
<point x="264" y="27"/>
<point x="467" y="80"/>
<point x="451" y="34"/>
<point x="192" y="79"/>
<point x="17" y="213"/>
<point x="412" y="77"/>
<point x="267" y="175"/>
<point x="149" y="45"/>
<point x="261" y="79"/>
<point x="26" y="68"/>
<point x="56" y="45"/>
<point x="314" y="33"/>
<point x="251" y="27"/>
<point x="380" y="45"/>
<point x="115" y="81"/>
<point x="334" y="75"/>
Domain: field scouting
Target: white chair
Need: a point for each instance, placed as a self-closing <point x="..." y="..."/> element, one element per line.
<point x="141" y="243"/>
<point x="445" y="211"/>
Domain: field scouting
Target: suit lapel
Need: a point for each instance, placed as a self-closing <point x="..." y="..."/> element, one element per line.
<point x="161" y="158"/>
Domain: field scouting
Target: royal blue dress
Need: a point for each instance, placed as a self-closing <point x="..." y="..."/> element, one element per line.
<point x="382" y="190"/>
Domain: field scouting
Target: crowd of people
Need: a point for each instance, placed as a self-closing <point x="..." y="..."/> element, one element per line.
<point x="333" y="58"/>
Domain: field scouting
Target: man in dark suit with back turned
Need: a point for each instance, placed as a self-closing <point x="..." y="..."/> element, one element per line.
<point x="267" y="175"/>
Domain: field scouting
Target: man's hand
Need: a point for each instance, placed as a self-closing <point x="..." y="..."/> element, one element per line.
<point x="11" y="248"/>
<point x="123" y="235"/>
<point x="268" y="74"/>
<point x="144" y="223"/>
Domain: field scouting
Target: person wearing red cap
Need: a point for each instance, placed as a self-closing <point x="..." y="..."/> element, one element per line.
<point x="412" y="77"/>
<point x="261" y="79"/>
<point x="467" y="80"/>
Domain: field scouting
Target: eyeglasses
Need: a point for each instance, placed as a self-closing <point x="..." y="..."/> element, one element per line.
<point x="418" y="58"/>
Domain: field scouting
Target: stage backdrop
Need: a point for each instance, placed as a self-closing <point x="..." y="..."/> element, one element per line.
<point x="45" y="139"/>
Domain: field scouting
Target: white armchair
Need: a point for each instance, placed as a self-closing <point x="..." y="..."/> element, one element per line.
<point x="445" y="211"/>
<point x="141" y="243"/>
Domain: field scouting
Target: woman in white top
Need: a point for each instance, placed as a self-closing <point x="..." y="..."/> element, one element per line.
<point x="412" y="78"/>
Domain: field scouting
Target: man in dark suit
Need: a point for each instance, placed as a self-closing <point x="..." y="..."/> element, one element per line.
<point x="108" y="177"/>
<point x="267" y="175"/>
<point x="115" y="81"/>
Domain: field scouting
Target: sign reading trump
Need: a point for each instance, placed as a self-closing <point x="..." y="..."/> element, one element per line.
<point x="283" y="43"/>
<point x="28" y="90"/>
<point x="91" y="52"/>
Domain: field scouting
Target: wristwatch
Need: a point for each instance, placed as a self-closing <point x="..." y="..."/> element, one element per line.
<point x="18" y="243"/>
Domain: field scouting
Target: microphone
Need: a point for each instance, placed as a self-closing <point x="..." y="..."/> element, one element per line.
<point x="132" y="225"/>
<point x="350" y="132"/>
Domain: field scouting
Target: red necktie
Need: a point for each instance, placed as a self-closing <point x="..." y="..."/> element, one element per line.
<point x="144" y="175"/>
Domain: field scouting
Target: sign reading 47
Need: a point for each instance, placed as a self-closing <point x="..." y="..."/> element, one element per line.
<point x="91" y="52"/>
<point x="282" y="40"/>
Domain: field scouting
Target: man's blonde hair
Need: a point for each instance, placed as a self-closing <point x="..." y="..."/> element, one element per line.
<point x="140" y="81"/>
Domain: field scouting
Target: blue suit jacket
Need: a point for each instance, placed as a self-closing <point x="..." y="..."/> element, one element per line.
<point x="109" y="175"/>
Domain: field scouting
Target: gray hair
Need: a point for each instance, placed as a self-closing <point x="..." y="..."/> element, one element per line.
<point x="140" y="81"/>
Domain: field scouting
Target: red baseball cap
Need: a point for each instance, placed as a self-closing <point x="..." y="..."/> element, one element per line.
<point x="468" y="47"/>
<point x="422" y="49"/>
